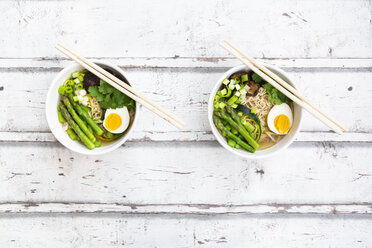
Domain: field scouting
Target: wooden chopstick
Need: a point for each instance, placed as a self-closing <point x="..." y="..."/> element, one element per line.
<point x="116" y="83"/>
<point x="294" y="98"/>
<point x="122" y="84"/>
<point x="286" y="85"/>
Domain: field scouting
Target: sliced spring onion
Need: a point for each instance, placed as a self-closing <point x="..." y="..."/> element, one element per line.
<point x="222" y="105"/>
<point x="223" y="92"/>
<point x="231" y="143"/>
<point x="68" y="90"/>
<point x="237" y="80"/>
<point x="243" y="91"/>
<point x="81" y="78"/>
<point x="244" y="77"/>
<point x="231" y="86"/>
<point x="232" y="100"/>
<point x="79" y="86"/>
<point x="237" y="87"/>
<point x="254" y="111"/>
<point x="246" y="87"/>
<point x="234" y="131"/>
<point x="237" y="93"/>
<point x="232" y="81"/>
<point x="234" y="105"/>
<point x="76" y="80"/>
<point x="225" y="81"/>
<point x="61" y="90"/>
<point x="75" y="74"/>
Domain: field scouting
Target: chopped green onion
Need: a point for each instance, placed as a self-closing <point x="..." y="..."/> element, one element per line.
<point x="223" y="92"/>
<point x="75" y="74"/>
<point x="76" y="80"/>
<point x="234" y="105"/>
<point x="231" y="86"/>
<point x="231" y="143"/>
<point x="243" y="91"/>
<point x="222" y="105"/>
<point x="237" y="87"/>
<point x="237" y="93"/>
<point x="61" y="90"/>
<point x="237" y="80"/>
<point x="79" y="86"/>
<point x="232" y="100"/>
<point x="240" y="114"/>
<point x="68" y="89"/>
<point x="244" y="77"/>
<point x="71" y="83"/>
<point x="81" y="78"/>
<point x="254" y="111"/>
<point x="225" y="81"/>
<point x="246" y="87"/>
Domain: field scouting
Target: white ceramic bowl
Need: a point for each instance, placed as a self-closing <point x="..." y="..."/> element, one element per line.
<point x="51" y="104"/>
<point x="282" y="144"/>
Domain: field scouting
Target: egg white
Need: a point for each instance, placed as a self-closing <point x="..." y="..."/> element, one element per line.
<point x="282" y="109"/>
<point x="124" y="115"/>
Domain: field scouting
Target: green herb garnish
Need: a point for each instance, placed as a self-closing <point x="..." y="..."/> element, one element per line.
<point x="275" y="96"/>
<point x="109" y="97"/>
<point x="256" y="78"/>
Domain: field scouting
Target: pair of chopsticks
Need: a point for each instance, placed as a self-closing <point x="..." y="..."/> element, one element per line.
<point x="284" y="87"/>
<point x="123" y="87"/>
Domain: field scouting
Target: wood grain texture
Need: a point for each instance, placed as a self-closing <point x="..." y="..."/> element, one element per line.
<point x="345" y="95"/>
<point x="167" y="188"/>
<point x="116" y="230"/>
<point x="184" y="173"/>
<point x="187" y="28"/>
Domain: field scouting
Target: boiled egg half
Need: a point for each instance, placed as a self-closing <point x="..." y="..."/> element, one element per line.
<point x="280" y="119"/>
<point x="116" y="120"/>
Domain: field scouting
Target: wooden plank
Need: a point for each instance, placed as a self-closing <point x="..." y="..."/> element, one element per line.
<point x="184" y="209"/>
<point x="186" y="173"/>
<point x="113" y="230"/>
<point x="57" y="63"/>
<point x="187" y="29"/>
<point x="345" y="95"/>
<point x="143" y="136"/>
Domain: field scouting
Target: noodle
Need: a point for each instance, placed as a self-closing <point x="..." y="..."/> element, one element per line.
<point x="96" y="110"/>
<point x="261" y="103"/>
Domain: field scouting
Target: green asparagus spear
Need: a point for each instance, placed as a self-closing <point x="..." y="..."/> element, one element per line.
<point x="237" y="119"/>
<point x="60" y="117"/>
<point x="77" y="119"/>
<point x="239" y="127"/>
<point x="218" y="123"/>
<point x="71" y="133"/>
<point x="85" y="116"/>
<point x="76" y="128"/>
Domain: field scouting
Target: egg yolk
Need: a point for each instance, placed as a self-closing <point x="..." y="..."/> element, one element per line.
<point x="113" y="121"/>
<point x="282" y="124"/>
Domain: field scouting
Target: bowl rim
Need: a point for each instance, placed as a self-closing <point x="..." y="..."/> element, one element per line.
<point x="53" y="127"/>
<point x="222" y="140"/>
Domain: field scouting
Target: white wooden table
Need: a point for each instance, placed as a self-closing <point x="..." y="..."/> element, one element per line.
<point x="170" y="188"/>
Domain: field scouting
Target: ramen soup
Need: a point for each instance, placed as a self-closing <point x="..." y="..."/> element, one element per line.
<point x="250" y="113"/>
